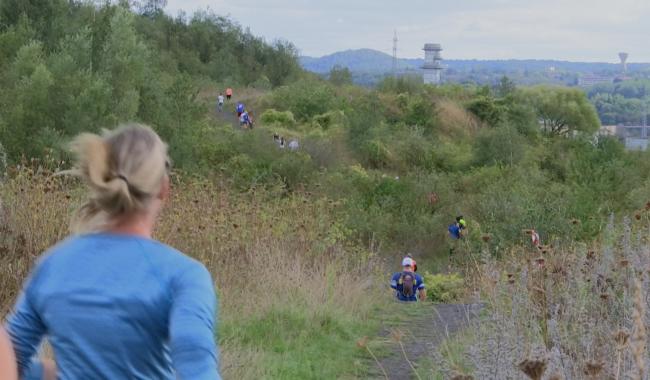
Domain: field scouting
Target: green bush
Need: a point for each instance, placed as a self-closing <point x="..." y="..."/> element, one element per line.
<point x="274" y="117"/>
<point x="444" y="288"/>
<point x="328" y="119"/>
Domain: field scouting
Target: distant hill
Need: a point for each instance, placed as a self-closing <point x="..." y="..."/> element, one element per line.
<point x="376" y="62"/>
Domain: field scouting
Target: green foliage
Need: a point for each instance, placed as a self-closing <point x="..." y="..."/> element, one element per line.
<point x="621" y="103"/>
<point x="305" y="99"/>
<point x="328" y="119"/>
<point x="562" y="110"/>
<point x="282" y="118"/>
<point x="486" y="109"/>
<point x="444" y="288"/>
<point x="409" y="84"/>
<point x="502" y="146"/>
<point x="340" y="75"/>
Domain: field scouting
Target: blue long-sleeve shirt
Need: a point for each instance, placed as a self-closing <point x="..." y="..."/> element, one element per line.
<point x="118" y="307"/>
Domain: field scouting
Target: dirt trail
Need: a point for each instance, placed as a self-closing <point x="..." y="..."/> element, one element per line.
<point x="422" y="334"/>
<point x="228" y="114"/>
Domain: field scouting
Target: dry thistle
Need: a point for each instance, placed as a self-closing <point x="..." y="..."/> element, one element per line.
<point x="397" y="335"/>
<point x="534" y="368"/>
<point x="624" y="263"/>
<point x="593" y="369"/>
<point x="575" y="222"/>
<point x="639" y="336"/>
<point x="621" y="338"/>
<point x="637" y="216"/>
<point x="486" y="238"/>
<point x="461" y="376"/>
<point x="647" y="206"/>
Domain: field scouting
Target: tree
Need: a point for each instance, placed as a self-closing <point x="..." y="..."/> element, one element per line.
<point x="340" y="75"/>
<point x="562" y="110"/>
<point x="505" y="87"/>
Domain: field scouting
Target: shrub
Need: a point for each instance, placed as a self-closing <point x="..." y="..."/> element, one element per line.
<point x="328" y="119"/>
<point x="283" y="118"/>
<point x="444" y="288"/>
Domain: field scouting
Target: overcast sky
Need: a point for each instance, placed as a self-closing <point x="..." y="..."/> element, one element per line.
<point x="575" y="30"/>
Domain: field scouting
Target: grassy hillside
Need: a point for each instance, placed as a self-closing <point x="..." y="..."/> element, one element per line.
<point x="380" y="172"/>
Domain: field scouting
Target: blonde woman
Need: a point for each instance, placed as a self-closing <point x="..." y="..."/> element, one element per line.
<point x="113" y="302"/>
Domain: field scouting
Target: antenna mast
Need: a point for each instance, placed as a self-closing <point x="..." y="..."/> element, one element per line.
<point x="394" y="52"/>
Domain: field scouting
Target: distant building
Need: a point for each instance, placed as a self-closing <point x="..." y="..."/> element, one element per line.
<point x="636" y="144"/>
<point x="432" y="64"/>
<point x="607" y="130"/>
<point x="635" y="137"/>
<point x="632" y="131"/>
<point x="588" y="80"/>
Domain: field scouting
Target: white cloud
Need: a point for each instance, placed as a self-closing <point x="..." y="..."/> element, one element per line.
<point x="591" y="30"/>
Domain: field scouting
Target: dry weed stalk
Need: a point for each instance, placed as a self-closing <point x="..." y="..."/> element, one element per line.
<point x="397" y="336"/>
<point x="621" y="339"/>
<point x="461" y="376"/>
<point x="593" y="369"/>
<point x="363" y="343"/>
<point x="638" y="341"/>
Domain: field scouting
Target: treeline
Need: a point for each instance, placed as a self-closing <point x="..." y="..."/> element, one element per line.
<point x="626" y="102"/>
<point x="71" y="66"/>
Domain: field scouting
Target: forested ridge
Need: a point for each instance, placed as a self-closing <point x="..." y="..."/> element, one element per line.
<point x="71" y="66"/>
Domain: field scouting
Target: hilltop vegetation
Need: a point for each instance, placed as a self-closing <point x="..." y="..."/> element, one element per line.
<point x="379" y="172"/>
<point x="67" y="67"/>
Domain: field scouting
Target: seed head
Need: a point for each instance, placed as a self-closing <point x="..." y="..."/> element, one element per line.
<point x="593" y="368"/>
<point x="621" y="338"/>
<point x="534" y="368"/>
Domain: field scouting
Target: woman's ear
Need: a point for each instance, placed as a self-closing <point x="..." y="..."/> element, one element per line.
<point x="165" y="188"/>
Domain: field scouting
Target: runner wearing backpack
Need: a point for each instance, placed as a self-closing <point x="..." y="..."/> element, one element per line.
<point x="408" y="285"/>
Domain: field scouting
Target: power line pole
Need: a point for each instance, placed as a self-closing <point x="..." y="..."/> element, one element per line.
<point x="394" y="52"/>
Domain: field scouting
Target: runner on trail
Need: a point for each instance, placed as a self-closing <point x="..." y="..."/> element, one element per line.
<point x="462" y="224"/>
<point x="415" y="265"/>
<point x="408" y="285"/>
<point x="534" y="239"/>
<point x="220" y="103"/>
<point x="240" y="109"/>
<point x="113" y="302"/>
<point x="251" y="121"/>
<point x="456" y="234"/>
<point x="455" y="231"/>
<point x="228" y="93"/>
<point x="244" y="120"/>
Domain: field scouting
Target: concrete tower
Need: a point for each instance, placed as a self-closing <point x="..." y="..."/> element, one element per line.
<point x="432" y="67"/>
<point x="623" y="57"/>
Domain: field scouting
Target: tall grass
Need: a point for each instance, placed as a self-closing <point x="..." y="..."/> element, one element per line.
<point x="563" y="312"/>
<point x="295" y="295"/>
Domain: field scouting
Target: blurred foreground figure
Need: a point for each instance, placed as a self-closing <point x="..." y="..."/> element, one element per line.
<point x="7" y="358"/>
<point x="113" y="302"/>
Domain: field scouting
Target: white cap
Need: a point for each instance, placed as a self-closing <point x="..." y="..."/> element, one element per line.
<point x="407" y="262"/>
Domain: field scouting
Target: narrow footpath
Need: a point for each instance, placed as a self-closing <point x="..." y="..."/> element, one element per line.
<point x="421" y="333"/>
